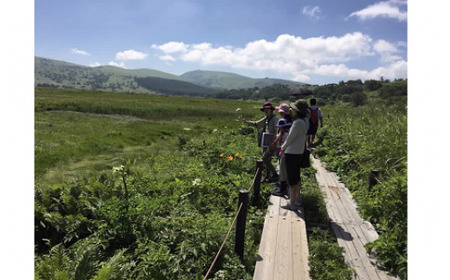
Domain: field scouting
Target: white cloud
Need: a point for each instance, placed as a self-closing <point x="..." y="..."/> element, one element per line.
<point x="392" y="71"/>
<point x="384" y="46"/>
<point x="293" y="55"/>
<point x="387" y="51"/>
<point x="80" y="52"/>
<point x="113" y="63"/>
<point x="130" y="55"/>
<point x="312" y="12"/>
<point x="397" y="69"/>
<point x="167" y="58"/>
<point x="171" y="47"/>
<point x="390" y="9"/>
<point x="95" y="64"/>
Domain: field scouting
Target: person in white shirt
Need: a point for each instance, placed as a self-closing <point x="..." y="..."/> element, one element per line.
<point x="293" y="149"/>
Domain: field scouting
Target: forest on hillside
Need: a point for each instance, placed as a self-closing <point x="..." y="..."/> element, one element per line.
<point x="354" y="92"/>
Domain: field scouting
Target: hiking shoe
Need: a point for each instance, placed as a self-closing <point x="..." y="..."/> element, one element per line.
<point x="290" y="207"/>
<point x="278" y="193"/>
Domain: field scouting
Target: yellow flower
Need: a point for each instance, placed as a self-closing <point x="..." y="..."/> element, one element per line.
<point x="221" y="155"/>
<point x="230" y="158"/>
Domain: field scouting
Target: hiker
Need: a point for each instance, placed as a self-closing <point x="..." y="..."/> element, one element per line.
<point x="315" y="118"/>
<point x="293" y="149"/>
<point x="283" y="125"/>
<point x="266" y="124"/>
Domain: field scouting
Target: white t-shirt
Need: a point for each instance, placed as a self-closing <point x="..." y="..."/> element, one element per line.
<point x="295" y="142"/>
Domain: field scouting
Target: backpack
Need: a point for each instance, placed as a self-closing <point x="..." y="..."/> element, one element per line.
<point x="314" y="118"/>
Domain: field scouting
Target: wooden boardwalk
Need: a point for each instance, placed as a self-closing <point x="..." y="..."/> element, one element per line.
<point x="283" y="251"/>
<point x="351" y="230"/>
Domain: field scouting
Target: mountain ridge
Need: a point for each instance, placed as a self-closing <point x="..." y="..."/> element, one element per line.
<point x="57" y="73"/>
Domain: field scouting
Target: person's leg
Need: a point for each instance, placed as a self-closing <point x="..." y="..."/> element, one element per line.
<point x="293" y="172"/>
<point x="270" y="169"/>
<point x="295" y="194"/>
<point x="312" y="134"/>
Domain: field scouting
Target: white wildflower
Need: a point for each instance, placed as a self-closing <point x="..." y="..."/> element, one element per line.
<point x="196" y="182"/>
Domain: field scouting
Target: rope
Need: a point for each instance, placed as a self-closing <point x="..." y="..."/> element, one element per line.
<point x="229" y="230"/>
<point x="254" y="179"/>
<point x="224" y="241"/>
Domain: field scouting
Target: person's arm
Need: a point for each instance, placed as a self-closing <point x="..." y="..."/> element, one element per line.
<point x="258" y="124"/>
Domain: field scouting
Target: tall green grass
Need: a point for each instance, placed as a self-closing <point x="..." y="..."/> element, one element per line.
<point x="154" y="107"/>
<point x="73" y="125"/>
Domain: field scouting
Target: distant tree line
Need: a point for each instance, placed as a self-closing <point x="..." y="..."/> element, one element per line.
<point x="352" y="91"/>
<point x="276" y="91"/>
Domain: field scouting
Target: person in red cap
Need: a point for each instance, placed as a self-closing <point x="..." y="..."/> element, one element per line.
<point x="268" y="125"/>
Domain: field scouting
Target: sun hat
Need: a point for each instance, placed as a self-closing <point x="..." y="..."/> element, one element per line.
<point x="267" y="105"/>
<point x="283" y="108"/>
<point x="282" y="123"/>
<point x="301" y="106"/>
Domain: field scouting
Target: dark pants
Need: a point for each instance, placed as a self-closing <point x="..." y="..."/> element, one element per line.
<point x="293" y="168"/>
<point x="267" y="160"/>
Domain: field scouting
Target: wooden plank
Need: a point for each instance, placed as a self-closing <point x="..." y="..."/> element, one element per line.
<point x="297" y="247"/>
<point x="351" y="231"/>
<point x="267" y="249"/>
<point x="274" y="205"/>
<point x="357" y="257"/>
<point x="283" y="252"/>
<point x="363" y="256"/>
<point x="351" y="254"/>
<point x="304" y="253"/>
<point x="283" y="261"/>
<point x="350" y="217"/>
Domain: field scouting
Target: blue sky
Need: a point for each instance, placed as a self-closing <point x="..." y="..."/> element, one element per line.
<point x="312" y="41"/>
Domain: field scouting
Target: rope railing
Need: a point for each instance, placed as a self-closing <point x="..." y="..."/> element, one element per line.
<point x="223" y="243"/>
<point x="256" y="177"/>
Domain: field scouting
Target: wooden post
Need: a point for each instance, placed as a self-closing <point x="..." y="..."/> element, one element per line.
<point x="372" y="179"/>
<point x="257" y="183"/>
<point x="240" y="224"/>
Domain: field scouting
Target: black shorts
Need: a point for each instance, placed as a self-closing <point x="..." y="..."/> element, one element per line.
<point x="312" y="130"/>
<point x="293" y="168"/>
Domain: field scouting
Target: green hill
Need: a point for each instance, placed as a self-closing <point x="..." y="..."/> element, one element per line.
<point x="226" y="80"/>
<point x="60" y="74"/>
<point x="54" y="73"/>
